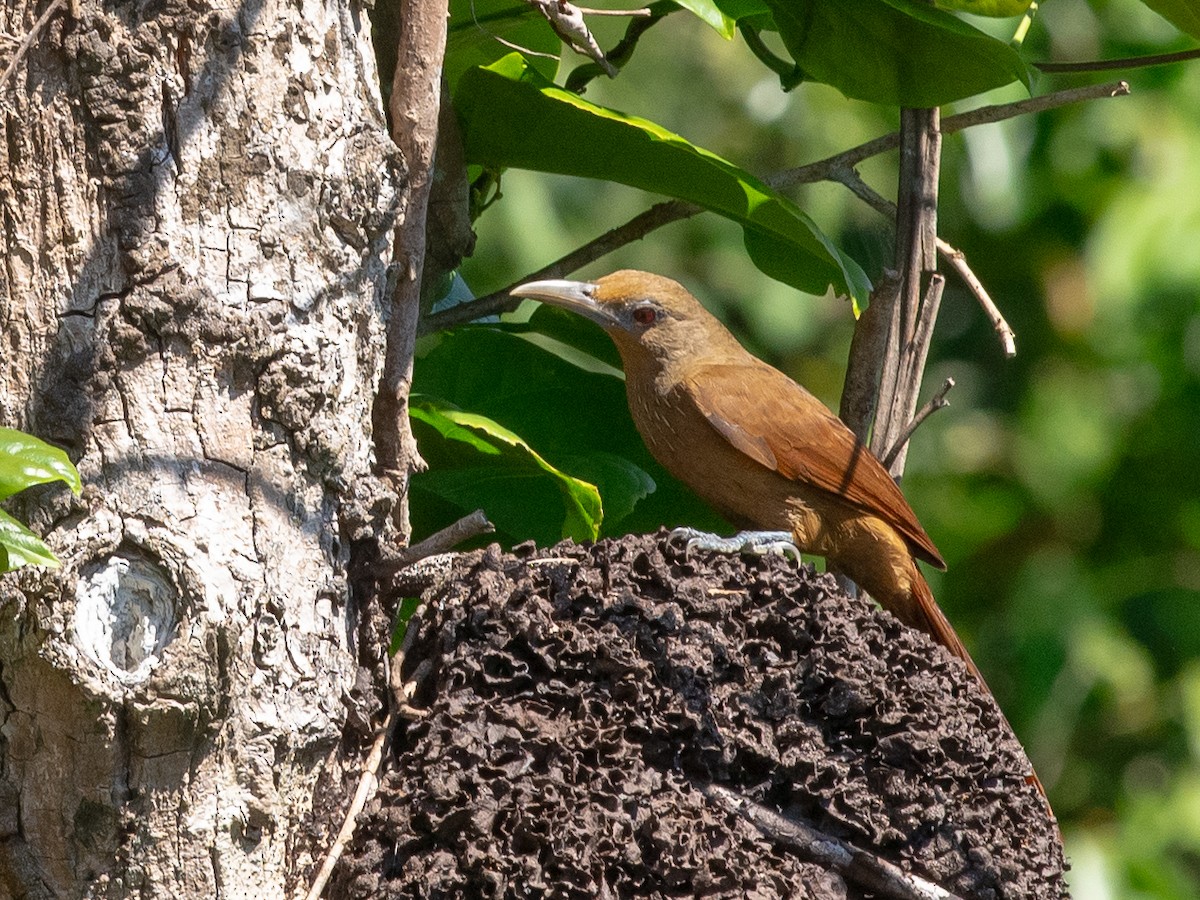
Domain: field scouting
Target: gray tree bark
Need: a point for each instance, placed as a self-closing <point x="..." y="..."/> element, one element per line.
<point x="196" y="203"/>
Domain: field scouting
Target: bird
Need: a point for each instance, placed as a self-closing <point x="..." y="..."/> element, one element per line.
<point x="755" y="445"/>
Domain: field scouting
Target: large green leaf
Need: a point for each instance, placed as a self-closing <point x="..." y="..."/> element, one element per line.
<point x="1183" y="14"/>
<point x="513" y="117"/>
<point x="482" y="31"/>
<point x="505" y="476"/>
<point x="897" y="52"/>
<point x="26" y="461"/>
<point x="21" y="547"/>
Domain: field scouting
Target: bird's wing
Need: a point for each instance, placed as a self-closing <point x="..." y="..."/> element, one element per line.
<point x="791" y="432"/>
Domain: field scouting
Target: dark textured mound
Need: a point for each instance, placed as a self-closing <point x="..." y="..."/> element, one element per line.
<point x="583" y="702"/>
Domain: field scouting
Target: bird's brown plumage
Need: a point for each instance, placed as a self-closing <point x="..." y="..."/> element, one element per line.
<point x="756" y="445"/>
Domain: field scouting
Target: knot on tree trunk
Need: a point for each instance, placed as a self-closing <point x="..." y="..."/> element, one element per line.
<point x="619" y="719"/>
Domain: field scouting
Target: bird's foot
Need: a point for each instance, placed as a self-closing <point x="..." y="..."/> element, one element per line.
<point x="758" y="543"/>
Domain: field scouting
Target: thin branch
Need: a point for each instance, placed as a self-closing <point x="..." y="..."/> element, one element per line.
<point x="833" y="168"/>
<point x="956" y="258"/>
<point x="958" y="261"/>
<point x="367" y="785"/>
<point x="568" y="23"/>
<point x="499" y="301"/>
<point x="633" y="13"/>
<point x="936" y="402"/>
<point x="822" y="169"/>
<point x="29" y="38"/>
<point x="1129" y="62"/>
<point x="581" y="76"/>
<point x="442" y="541"/>
<point x="874" y="874"/>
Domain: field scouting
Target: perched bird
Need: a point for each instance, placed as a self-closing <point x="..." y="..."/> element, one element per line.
<point x="755" y="445"/>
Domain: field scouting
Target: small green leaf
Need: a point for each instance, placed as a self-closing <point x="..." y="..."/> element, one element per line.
<point x="21" y="547"/>
<point x="622" y="484"/>
<point x="511" y="484"/>
<point x="26" y="461"/>
<point x="896" y="52"/>
<point x="711" y="14"/>
<point x="1183" y="14"/>
<point x="512" y="116"/>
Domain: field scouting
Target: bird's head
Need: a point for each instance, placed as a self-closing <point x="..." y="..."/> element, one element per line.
<point x="649" y="317"/>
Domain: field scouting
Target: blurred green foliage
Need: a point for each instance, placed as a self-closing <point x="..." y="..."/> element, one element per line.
<point x="1063" y="487"/>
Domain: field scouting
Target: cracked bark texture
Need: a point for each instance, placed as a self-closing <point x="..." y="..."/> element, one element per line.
<point x="195" y="202"/>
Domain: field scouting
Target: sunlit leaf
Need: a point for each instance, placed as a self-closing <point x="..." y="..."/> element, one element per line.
<point x="26" y="461"/>
<point x="513" y="117"/>
<point x="711" y="14"/>
<point x="507" y="478"/>
<point x="21" y="547"/>
<point x="897" y="52"/>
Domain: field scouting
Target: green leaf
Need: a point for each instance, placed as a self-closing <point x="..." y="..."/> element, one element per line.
<point x="996" y="9"/>
<point x="622" y="483"/>
<point x="507" y="478"/>
<point x="21" y="547"/>
<point x="711" y="14"/>
<point x="1183" y="14"/>
<point x="26" y="461"/>
<point x="512" y="116"/>
<point x="478" y="27"/>
<point x="896" y="52"/>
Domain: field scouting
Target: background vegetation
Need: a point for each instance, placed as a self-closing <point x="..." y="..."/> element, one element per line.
<point x="1063" y="486"/>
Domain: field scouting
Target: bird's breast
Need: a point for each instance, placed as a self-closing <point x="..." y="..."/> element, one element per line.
<point x="687" y="445"/>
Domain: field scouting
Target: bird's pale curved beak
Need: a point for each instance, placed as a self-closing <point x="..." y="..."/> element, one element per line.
<point x="577" y="296"/>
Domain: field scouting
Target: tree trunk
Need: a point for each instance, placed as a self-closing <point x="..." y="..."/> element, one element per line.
<point x="197" y="202"/>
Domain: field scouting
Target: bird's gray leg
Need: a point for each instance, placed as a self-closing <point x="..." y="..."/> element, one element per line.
<point x="758" y="543"/>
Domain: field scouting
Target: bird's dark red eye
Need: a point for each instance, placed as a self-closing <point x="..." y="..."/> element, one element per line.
<point x="645" y="315"/>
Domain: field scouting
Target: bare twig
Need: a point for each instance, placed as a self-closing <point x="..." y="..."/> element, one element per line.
<point x="874" y="874"/>
<point x="367" y="785"/>
<point x="1129" y="62"/>
<point x="644" y="12"/>
<point x="936" y="402"/>
<point x="958" y="261"/>
<point x="28" y="40"/>
<point x="833" y="168"/>
<point x="442" y="541"/>
<point x="956" y="258"/>
<point x="985" y="115"/>
<point x="582" y="75"/>
<point x="500" y="301"/>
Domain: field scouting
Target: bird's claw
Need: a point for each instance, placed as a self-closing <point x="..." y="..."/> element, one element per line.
<point x="758" y="543"/>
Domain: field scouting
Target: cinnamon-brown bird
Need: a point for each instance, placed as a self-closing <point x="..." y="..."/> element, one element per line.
<point x="755" y="445"/>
